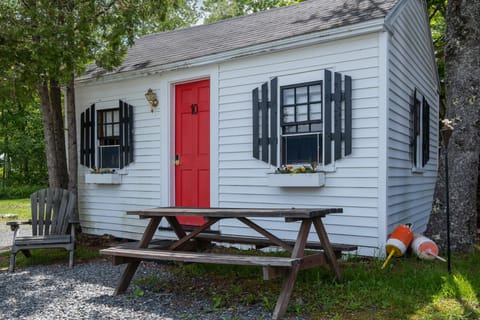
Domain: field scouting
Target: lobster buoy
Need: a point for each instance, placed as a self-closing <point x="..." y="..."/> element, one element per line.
<point x="398" y="242"/>
<point x="425" y="248"/>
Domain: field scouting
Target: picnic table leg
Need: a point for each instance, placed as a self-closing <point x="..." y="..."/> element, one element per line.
<point x="327" y="247"/>
<point x="287" y="288"/>
<point x="131" y="267"/>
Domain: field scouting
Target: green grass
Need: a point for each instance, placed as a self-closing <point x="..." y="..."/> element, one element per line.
<point x="408" y="288"/>
<point x="46" y="257"/>
<point x="19" y="207"/>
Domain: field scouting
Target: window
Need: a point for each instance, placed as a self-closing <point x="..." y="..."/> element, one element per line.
<point x="420" y="130"/>
<point x="315" y="121"/>
<point x="301" y="123"/>
<point x="106" y="137"/>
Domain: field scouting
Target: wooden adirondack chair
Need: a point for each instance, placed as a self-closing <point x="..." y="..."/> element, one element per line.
<point x="52" y="210"/>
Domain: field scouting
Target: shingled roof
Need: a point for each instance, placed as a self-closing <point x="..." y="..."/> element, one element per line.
<point x="255" y="29"/>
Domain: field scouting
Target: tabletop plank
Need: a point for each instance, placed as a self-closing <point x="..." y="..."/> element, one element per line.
<point x="288" y="213"/>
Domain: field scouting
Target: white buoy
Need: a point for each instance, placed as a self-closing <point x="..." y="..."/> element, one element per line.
<point x="425" y="248"/>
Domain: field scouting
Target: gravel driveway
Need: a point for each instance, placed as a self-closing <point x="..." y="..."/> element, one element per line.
<point x="6" y="235"/>
<point x="86" y="292"/>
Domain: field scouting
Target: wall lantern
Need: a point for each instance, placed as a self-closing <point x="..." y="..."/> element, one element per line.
<point x="152" y="99"/>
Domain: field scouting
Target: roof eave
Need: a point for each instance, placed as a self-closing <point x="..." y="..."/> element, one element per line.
<point x="371" y="26"/>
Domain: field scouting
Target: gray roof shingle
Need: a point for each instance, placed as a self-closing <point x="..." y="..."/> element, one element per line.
<point x="259" y="28"/>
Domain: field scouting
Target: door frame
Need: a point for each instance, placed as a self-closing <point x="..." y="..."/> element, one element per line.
<point x="192" y="145"/>
<point x="167" y="138"/>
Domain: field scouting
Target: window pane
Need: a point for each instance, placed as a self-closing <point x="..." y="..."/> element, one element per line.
<point x="304" y="128"/>
<point x="315" y="93"/>
<point x="109" y="156"/>
<point x="288" y="114"/>
<point x="302" y="113"/>
<point x="316" y="127"/>
<point x="301" y="149"/>
<point x="116" y="129"/>
<point x="108" y="124"/>
<point x="316" y="111"/>
<point x="302" y="95"/>
<point x="290" y="129"/>
<point x="288" y="96"/>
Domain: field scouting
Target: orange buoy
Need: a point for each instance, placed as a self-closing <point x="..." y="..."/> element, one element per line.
<point x="398" y="242"/>
<point x="425" y="248"/>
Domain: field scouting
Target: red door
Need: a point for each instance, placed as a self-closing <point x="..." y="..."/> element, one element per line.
<point x="192" y="147"/>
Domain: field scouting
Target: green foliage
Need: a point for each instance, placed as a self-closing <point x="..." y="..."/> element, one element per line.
<point x="44" y="40"/>
<point x="215" y="10"/>
<point x="19" y="192"/>
<point x="43" y="44"/>
<point x="437" y="10"/>
<point x="21" y="144"/>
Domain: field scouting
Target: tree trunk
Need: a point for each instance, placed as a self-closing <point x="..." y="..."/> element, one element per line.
<point x="463" y="101"/>
<point x="72" y="140"/>
<point x="51" y="104"/>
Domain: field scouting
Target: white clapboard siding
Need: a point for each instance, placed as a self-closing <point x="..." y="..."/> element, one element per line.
<point x="103" y="207"/>
<point x="409" y="194"/>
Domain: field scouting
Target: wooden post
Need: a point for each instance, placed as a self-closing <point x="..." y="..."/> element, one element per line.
<point x="131" y="268"/>
<point x="298" y="251"/>
<point x="327" y="247"/>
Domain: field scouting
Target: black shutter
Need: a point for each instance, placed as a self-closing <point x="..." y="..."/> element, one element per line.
<point x="268" y="125"/>
<point x="415" y="114"/>
<point x="327" y="119"/>
<point x="333" y="132"/>
<point x="348" y="115"/>
<point x="426" y="132"/>
<point x="87" y="137"/>
<point x="255" y="124"/>
<point x="337" y="136"/>
<point x="126" y="133"/>
<point x="264" y="109"/>
<point x="273" y="121"/>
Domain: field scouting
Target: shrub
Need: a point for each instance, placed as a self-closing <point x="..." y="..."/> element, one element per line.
<point x="18" y="192"/>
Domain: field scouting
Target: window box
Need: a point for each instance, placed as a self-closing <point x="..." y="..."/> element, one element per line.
<point x="103" y="178"/>
<point x="297" y="180"/>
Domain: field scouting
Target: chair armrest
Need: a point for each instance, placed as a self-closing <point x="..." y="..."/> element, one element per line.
<point x="14" y="225"/>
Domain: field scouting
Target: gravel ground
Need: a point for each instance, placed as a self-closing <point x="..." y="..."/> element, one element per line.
<point x="6" y="235"/>
<point x="86" y="292"/>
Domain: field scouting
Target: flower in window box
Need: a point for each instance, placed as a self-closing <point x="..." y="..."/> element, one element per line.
<point x="294" y="170"/>
<point x="102" y="170"/>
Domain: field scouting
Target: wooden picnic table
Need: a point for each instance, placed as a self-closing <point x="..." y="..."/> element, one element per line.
<point x="272" y="266"/>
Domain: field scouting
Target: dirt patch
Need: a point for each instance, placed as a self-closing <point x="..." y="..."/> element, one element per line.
<point x="98" y="242"/>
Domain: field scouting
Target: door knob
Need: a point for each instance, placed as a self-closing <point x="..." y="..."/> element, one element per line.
<point x="194" y="108"/>
<point x="177" y="159"/>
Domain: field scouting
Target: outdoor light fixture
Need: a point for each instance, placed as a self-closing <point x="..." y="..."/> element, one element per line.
<point x="152" y="99"/>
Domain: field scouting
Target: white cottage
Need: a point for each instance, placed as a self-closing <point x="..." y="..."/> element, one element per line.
<point x="351" y="85"/>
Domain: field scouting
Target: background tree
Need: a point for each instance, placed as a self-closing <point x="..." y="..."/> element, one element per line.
<point x="215" y="10"/>
<point x="462" y="74"/>
<point x="437" y="15"/>
<point x="21" y="138"/>
<point x="48" y="42"/>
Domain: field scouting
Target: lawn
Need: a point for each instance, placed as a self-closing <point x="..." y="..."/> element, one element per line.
<point x="408" y="288"/>
<point x="18" y="207"/>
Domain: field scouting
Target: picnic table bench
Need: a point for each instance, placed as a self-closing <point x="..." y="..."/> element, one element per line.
<point x="273" y="266"/>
